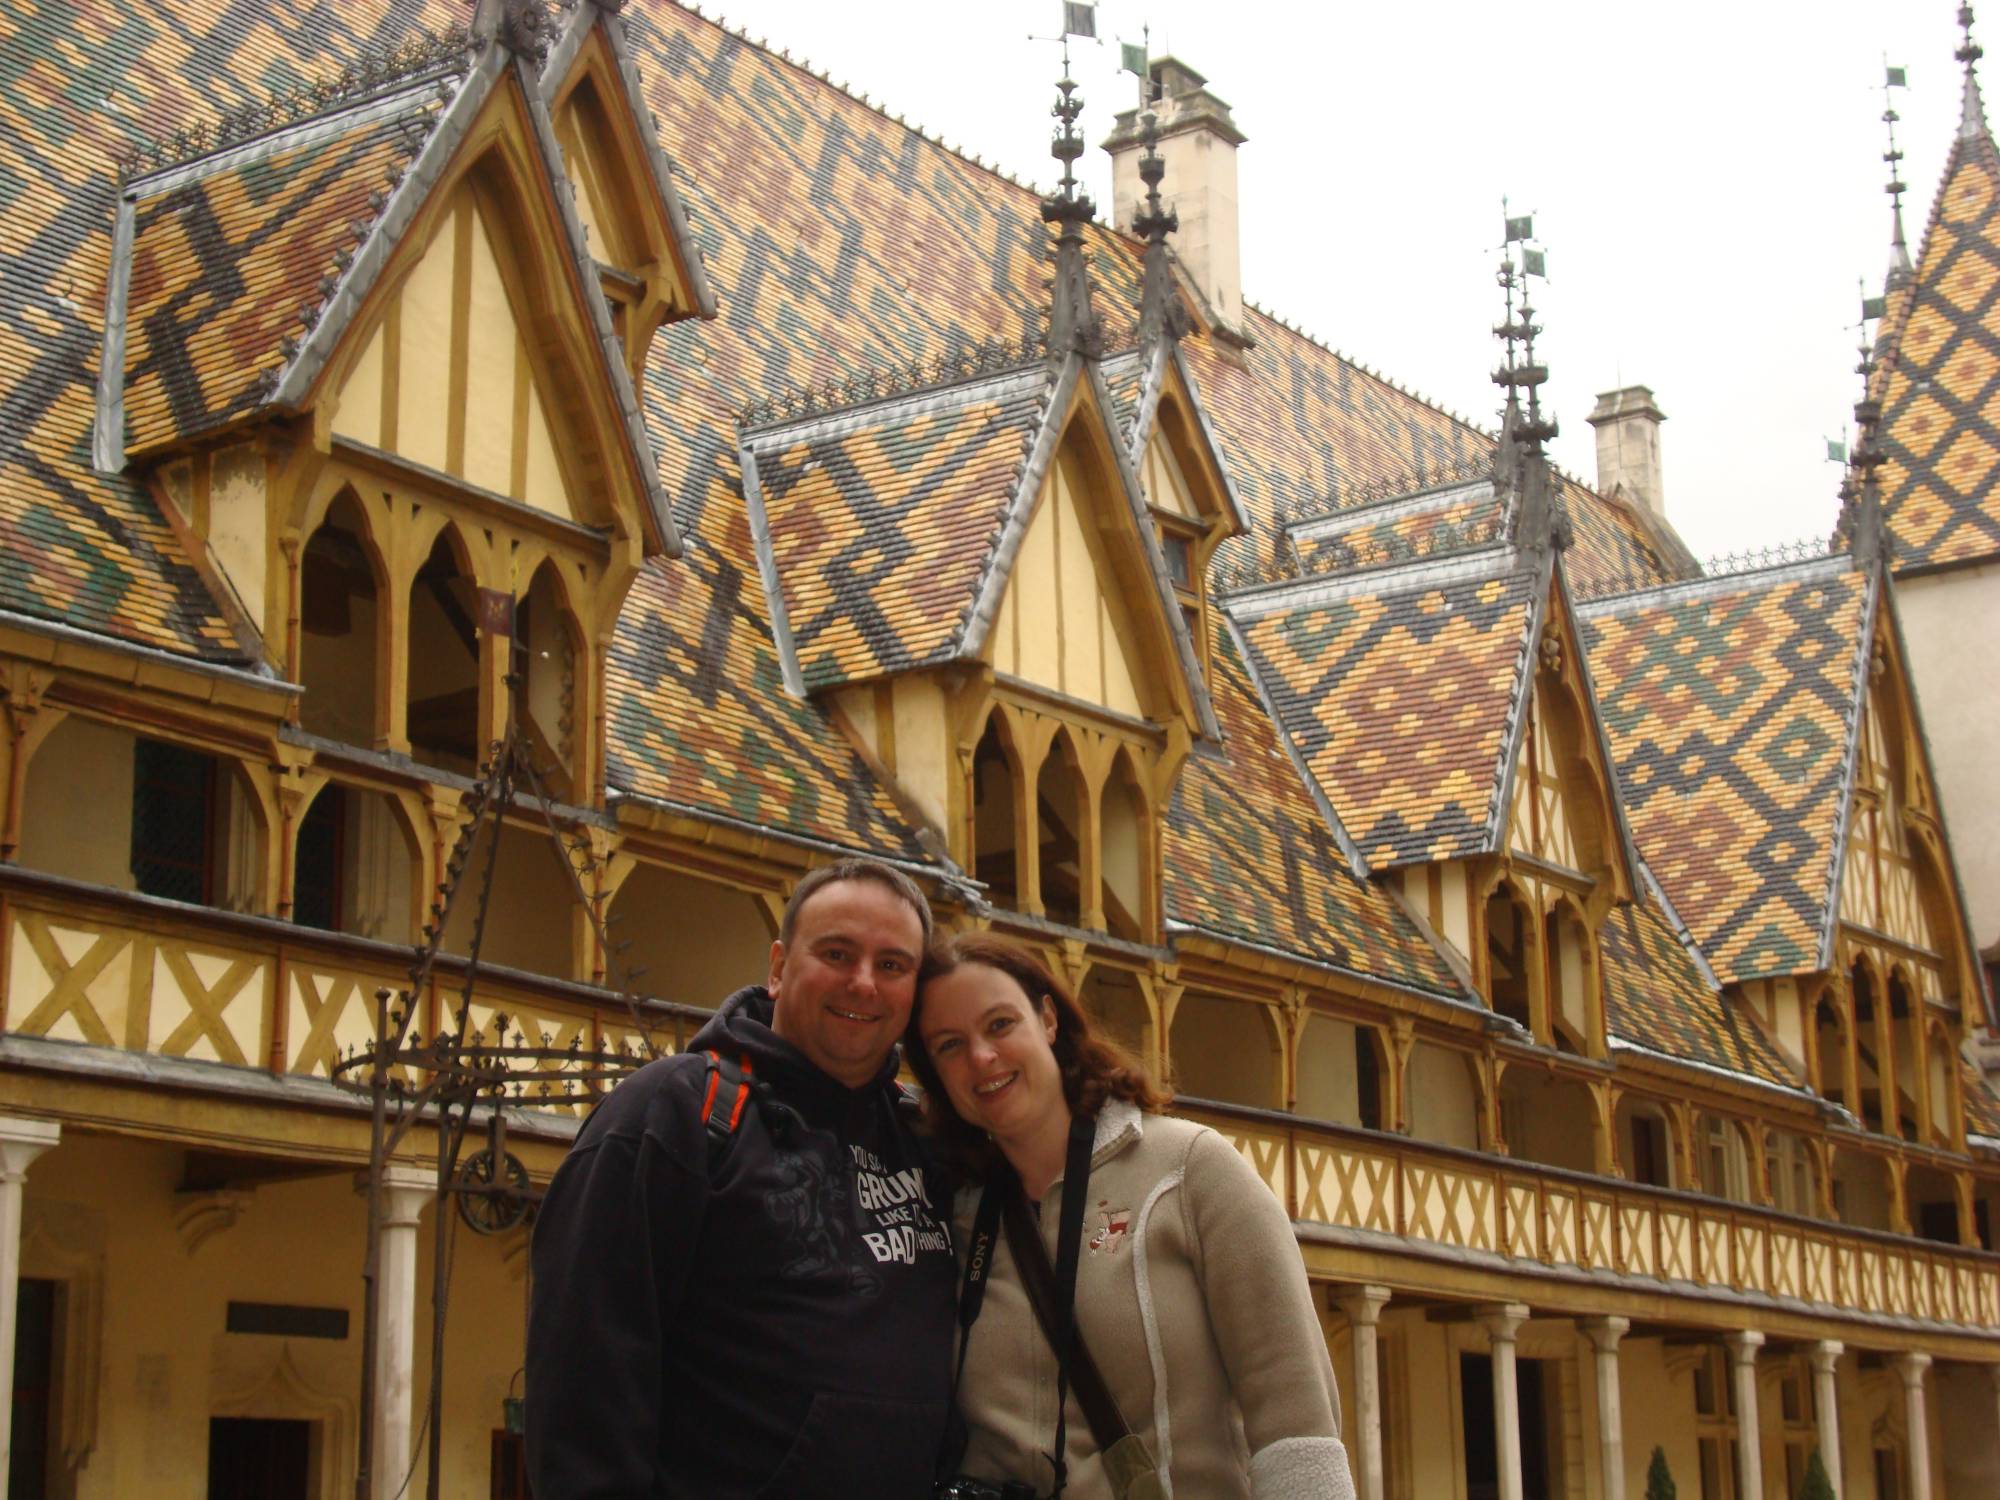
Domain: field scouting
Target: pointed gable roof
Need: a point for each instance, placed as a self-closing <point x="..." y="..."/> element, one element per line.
<point x="1731" y="706"/>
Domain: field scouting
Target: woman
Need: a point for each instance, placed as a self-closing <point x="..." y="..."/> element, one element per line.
<point x="1190" y="1295"/>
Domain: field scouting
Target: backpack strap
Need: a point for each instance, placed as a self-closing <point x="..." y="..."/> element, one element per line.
<point x="723" y="1102"/>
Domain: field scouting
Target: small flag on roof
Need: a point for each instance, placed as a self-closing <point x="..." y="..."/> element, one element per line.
<point x="1535" y="263"/>
<point x="1836" y="451"/>
<point x="1522" y="228"/>
<point x="1079" y="18"/>
<point x="1132" y="58"/>
<point x="1898" y="78"/>
<point x="1874" y="307"/>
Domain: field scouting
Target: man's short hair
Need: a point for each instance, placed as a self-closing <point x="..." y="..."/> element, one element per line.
<point x="855" y="868"/>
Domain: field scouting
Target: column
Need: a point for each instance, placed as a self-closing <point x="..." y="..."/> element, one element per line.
<point x="1363" y="1307"/>
<point x="21" y="1141"/>
<point x="405" y="1191"/>
<point x="1912" y="1367"/>
<point x="1604" y="1334"/>
<point x="1826" y="1403"/>
<point x="1502" y="1323"/>
<point x="1743" y="1349"/>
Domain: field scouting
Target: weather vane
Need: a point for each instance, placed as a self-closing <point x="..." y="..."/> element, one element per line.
<point x="1521" y="372"/>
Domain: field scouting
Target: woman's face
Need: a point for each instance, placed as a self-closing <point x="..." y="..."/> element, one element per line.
<point x="992" y="1047"/>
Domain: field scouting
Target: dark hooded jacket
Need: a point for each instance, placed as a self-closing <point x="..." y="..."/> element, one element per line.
<point x="774" y="1321"/>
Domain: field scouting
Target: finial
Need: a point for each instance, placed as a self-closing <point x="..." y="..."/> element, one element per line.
<point x="1072" y="323"/>
<point x="1900" y="272"/>
<point x="1972" y="117"/>
<point x="1520" y="462"/>
<point x="1860" y="524"/>
<point x="1160" y="309"/>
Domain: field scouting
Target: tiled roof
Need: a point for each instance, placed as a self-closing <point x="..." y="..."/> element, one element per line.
<point x="1125" y="382"/>
<point x="1431" y="525"/>
<point x="1940" y="386"/>
<point x="1656" y="996"/>
<point x="226" y="265"/>
<point x="1730" y="707"/>
<point x="1399" y="696"/>
<point x="1982" y="1105"/>
<point x="1248" y="855"/>
<point x="883" y="521"/>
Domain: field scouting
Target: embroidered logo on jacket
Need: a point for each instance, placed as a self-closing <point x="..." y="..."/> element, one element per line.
<point x="1112" y="1226"/>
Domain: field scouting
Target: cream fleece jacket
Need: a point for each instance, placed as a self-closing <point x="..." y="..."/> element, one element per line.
<point x="1193" y="1300"/>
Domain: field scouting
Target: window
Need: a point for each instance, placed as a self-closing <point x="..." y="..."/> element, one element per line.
<point x="259" y="1458"/>
<point x="173" y="822"/>
<point x="1715" y="1426"/>
<point x="1649" y="1161"/>
<point x="1795" y="1411"/>
<point x="1367" y="1080"/>
<point x="1180" y="560"/>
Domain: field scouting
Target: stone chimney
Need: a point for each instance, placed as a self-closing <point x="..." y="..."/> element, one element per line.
<point x="1198" y="141"/>
<point x="1628" y="446"/>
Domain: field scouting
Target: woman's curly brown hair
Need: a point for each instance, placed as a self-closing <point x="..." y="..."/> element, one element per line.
<point x="1094" y="1068"/>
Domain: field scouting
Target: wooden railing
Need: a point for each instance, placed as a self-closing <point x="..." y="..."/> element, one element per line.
<point x="1535" y="1216"/>
<point x="87" y="964"/>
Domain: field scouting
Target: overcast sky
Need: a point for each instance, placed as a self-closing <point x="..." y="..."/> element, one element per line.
<point x="1706" y="177"/>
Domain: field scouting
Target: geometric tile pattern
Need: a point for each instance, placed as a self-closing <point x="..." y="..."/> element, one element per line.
<point x="1656" y="996"/>
<point x="1369" y="535"/>
<point x="1399" y="700"/>
<point x="1729" y="708"/>
<point x="223" y="265"/>
<point x="1982" y="1106"/>
<point x="883" y="522"/>
<point x="1940" y="389"/>
<point x="1248" y="855"/>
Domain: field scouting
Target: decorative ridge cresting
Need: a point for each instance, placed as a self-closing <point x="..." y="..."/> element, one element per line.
<point x="1722" y="565"/>
<point x="1405" y="486"/>
<point x="1343" y="555"/>
<point x="375" y="71"/>
<point x="969" y="361"/>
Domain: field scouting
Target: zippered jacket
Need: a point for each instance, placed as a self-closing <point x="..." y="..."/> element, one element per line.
<point x="776" y="1321"/>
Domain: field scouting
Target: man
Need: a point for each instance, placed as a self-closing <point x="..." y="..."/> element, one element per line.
<point x="763" y="1309"/>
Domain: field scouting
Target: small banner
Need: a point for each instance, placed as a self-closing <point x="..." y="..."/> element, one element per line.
<point x="1079" y="18"/>
<point x="1898" y="78"/>
<point x="1535" y="263"/>
<point x="1874" y="307"/>
<point x="496" y="612"/>
<point x="1836" y="451"/>
<point x="1132" y="58"/>
<point x="1521" y="229"/>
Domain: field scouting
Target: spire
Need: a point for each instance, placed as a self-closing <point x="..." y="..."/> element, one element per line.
<point x="1072" y="322"/>
<point x="1520" y="460"/>
<point x="1860" y="526"/>
<point x="1900" y="272"/>
<point x="1972" y="118"/>
<point x="1161" y="314"/>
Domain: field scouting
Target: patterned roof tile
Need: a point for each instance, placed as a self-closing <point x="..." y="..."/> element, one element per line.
<point x="1451" y="521"/>
<point x="1399" y="699"/>
<point x="1730" y="707"/>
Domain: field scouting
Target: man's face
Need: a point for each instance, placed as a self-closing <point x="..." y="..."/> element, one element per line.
<point x="844" y="985"/>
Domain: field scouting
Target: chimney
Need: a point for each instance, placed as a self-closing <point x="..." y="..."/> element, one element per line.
<point x="1198" y="141"/>
<point x="1628" y="446"/>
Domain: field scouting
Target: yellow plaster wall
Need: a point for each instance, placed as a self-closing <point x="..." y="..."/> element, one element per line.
<point x="528" y="925"/>
<point x="1064" y="637"/>
<point x="77" y="811"/>
<point x="338" y="672"/>
<point x="1164" y="484"/>
<point x="239" y="528"/>
<point x="1443" y="1107"/>
<point x="1223" y="1049"/>
<point x="1326" y="1071"/>
<point x="905" y="723"/>
<point x="697" y="941"/>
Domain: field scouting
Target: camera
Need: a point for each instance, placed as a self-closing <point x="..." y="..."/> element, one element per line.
<point x="962" y="1488"/>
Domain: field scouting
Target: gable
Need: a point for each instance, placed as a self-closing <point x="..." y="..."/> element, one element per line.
<point x="449" y="380"/>
<point x="1879" y="883"/>
<point x="1164" y="481"/>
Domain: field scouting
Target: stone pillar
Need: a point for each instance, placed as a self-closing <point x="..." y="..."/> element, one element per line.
<point x="1604" y="1334"/>
<point x="1826" y="1403"/>
<point x="21" y="1141"/>
<point x="1743" y="1349"/>
<point x="405" y="1191"/>
<point x="1502" y="1323"/>
<point x="1915" y="1417"/>
<point x="1363" y="1307"/>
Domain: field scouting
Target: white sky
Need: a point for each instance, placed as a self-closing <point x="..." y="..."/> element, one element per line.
<point x="1706" y="177"/>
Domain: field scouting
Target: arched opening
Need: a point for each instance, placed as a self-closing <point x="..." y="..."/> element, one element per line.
<point x="357" y="866"/>
<point x="1123" y="830"/>
<point x="531" y="922"/>
<point x="549" y="657"/>
<point x="1112" y="999"/>
<point x="1830" y="1054"/>
<point x="691" y="940"/>
<point x="1875" y="1093"/>
<point x="1789" y="1169"/>
<point x="1548" y="1118"/>
<point x="1444" y="1097"/>
<point x="1724" y="1158"/>
<point x="1932" y="1195"/>
<point x="1906" y="1019"/>
<point x="995" y="818"/>
<point x="1343" y="1072"/>
<point x="339" y="628"/>
<point x="1940" y="1077"/>
<point x="1226" y="1050"/>
<point x="1862" y="1194"/>
<point x="1059" y="806"/>
<point x="103" y="805"/>
<point x="1509" y="954"/>
<point x="1644" y="1142"/>
<point x="443" y="723"/>
<point x="1567" y="944"/>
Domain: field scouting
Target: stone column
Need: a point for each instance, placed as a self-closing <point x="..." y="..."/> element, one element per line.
<point x="1604" y="1334"/>
<point x="1363" y="1307"/>
<point x="1826" y="1403"/>
<point x="1912" y="1367"/>
<point x="21" y="1141"/>
<point x="1743" y="1349"/>
<point x="1502" y="1323"/>
<point x="405" y="1191"/>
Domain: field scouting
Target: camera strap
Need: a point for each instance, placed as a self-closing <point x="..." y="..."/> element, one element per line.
<point x="978" y="1267"/>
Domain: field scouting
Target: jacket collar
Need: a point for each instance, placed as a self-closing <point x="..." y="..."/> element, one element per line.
<point x="1118" y="1126"/>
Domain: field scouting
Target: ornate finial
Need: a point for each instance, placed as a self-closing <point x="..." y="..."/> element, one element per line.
<point x="1900" y="272"/>
<point x="1520" y="464"/>
<point x="1972" y="118"/>
<point x="1072" y="323"/>
<point x="1860" y="524"/>
<point x="1161" y="313"/>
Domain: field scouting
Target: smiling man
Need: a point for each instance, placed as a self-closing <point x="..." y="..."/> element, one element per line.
<point x="743" y="1282"/>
